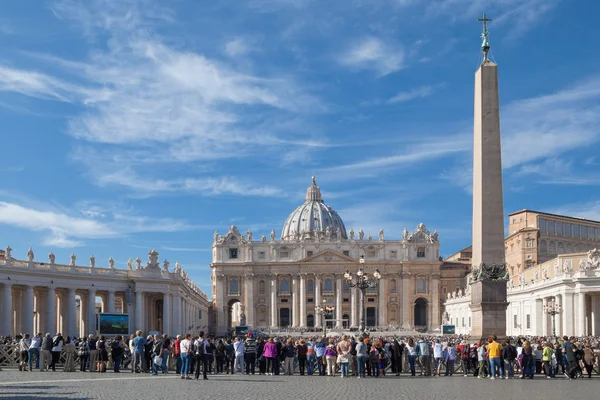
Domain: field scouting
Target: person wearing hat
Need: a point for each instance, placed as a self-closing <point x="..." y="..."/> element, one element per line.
<point x="250" y="354"/>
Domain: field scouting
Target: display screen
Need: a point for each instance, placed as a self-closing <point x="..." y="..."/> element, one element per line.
<point x="448" y="329"/>
<point x="113" y="324"/>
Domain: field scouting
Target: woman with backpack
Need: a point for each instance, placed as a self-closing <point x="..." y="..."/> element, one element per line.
<point x="83" y="353"/>
<point x="57" y="345"/>
<point x="102" y="354"/>
<point x="117" y="352"/>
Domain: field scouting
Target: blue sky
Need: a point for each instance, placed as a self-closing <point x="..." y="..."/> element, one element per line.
<point x="130" y="125"/>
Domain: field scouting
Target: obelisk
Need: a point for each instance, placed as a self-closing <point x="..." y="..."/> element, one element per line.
<point x="488" y="280"/>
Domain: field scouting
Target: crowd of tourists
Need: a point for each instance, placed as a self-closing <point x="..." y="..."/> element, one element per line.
<point x="342" y="356"/>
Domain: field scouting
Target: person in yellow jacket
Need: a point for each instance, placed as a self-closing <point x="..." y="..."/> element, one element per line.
<point x="547" y="360"/>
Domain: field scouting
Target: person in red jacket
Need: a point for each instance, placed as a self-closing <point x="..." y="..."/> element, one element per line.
<point x="177" y="355"/>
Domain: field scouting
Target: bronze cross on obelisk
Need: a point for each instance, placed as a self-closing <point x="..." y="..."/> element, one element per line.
<point x="485" y="44"/>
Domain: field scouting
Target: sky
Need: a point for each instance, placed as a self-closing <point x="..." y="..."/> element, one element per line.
<point x="138" y="124"/>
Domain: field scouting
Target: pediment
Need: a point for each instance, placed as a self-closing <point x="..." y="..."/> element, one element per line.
<point x="328" y="256"/>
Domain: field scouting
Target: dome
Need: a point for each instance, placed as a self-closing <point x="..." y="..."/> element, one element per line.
<point x="314" y="219"/>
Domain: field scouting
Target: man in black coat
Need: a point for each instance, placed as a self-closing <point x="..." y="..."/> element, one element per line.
<point x="572" y="361"/>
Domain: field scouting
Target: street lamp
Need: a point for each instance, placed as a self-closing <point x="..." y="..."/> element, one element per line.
<point x="363" y="282"/>
<point x="553" y="309"/>
<point x="323" y="310"/>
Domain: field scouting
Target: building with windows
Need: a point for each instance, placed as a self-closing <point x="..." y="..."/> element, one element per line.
<point x="272" y="283"/>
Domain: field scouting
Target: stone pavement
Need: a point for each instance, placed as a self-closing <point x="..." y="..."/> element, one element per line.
<point x="76" y="385"/>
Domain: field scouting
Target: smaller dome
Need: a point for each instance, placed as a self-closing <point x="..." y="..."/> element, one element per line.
<point x="313" y="219"/>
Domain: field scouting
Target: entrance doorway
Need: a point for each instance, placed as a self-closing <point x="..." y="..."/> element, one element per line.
<point x="284" y="317"/>
<point x="371" y="316"/>
<point x="420" y="312"/>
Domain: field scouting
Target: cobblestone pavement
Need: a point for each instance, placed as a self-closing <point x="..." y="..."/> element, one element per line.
<point x="76" y="385"/>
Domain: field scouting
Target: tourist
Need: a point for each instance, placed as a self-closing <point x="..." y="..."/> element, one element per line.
<point x="588" y="360"/>
<point x="361" y="357"/>
<point x="46" y="360"/>
<point x="482" y="360"/>
<point x="343" y="351"/>
<point x="320" y="347"/>
<point x="437" y="357"/>
<point x="528" y="361"/>
<point x="166" y="347"/>
<point x="269" y="352"/>
<point x="538" y="352"/>
<point x="186" y="354"/>
<point x="331" y="358"/>
<point x="220" y="356"/>
<point x="450" y="358"/>
<point x="423" y="354"/>
<point x="70" y="352"/>
<point x="262" y="361"/>
<point x="250" y="354"/>
<point x="157" y="347"/>
<point x="238" y="347"/>
<point x="148" y="350"/>
<point x="177" y="353"/>
<point x="102" y="354"/>
<point x="288" y="352"/>
<point x="547" y="354"/>
<point x="24" y="344"/>
<point x="464" y="351"/>
<point x="201" y="346"/>
<point x="494" y="350"/>
<point x="374" y="361"/>
<point x="138" y="344"/>
<point x="229" y="356"/>
<point x="397" y="350"/>
<point x="57" y="345"/>
<point x="509" y="354"/>
<point x="411" y="355"/>
<point x="83" y="354"/>
<point x="93" y="359"/>
<point x="117" y="352"/>
<point x="34" y="351"/>
<point x="301" y="351"/>
<point x="279" y="347"/>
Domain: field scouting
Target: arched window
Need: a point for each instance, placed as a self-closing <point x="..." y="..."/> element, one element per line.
<point x="233" y="286"/>
<point x="543" y="247"/>
<point x="310" y="287"/>
<point x="561" y="248"/>
<point x="284" y="285"/>
<point x="261" y="287"/>
<point x="552" y="248"/>
<point x="393" y="286"/>
<point x="421" y="285"/>
<point x="328" y="285"/>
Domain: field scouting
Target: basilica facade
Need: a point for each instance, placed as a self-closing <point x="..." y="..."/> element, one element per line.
<point x="278" y="282"/>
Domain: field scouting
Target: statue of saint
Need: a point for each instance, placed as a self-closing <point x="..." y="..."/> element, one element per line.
<point x="351" y="234"/>
<point x="7" y="254"/>
<point x="73" y="259"/>
<point x="177" y="267"/>
<point x="30" y="255"/>
<point x="92" y="261"/>
<point x="263" y="238"/>
<point x="138" y="263"/>
<point x="216" y="236"/>
<point x="405" y="234"/>
<point x="51" y="258"/>
<point x="328" y="233"/>
<point x="130" y="264"/>
<point x="381" y="234"/>
<point x="166" y="264"/>
<point x="361" y="234"/>
<point x="249" y="233"/>
<point x="272" y="234"/>
<point x="111" y="263"/>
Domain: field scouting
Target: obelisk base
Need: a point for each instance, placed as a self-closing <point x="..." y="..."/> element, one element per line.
<point x="488" y="309"/>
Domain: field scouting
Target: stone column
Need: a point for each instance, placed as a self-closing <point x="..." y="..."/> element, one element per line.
<point x="435" y="301"/>
<point x="405" y="300"/>
<point x="83" y="318"/>
<point x="92" y="311"/>
<point x="26" y="311"/>
<point x="51" y="311"/>
<point x="111" y="301"/>
<point x="7" y="310"/>
<point x="382" y="320"/>
<point x="221" y="322"/>
<point x="139" y="312"/>
<point x="594" y="315"/>
<point x="581" y="315"/>
<point x="167" y="327"/>
<point x="71" y="313"/>
<point x="558" y="318"/>
<point x="567" y="315"/>
<point x="338" y="300"/>
<point x="249" y="292"/>
<point x="544" y="318"/>
<point x="302" y="300"/>
<point x="294" y="301"/>
<point x="274" y="322"/>
<point x="353" y="298"/>
<point x="317" y="300"/>
<point x="176" y="320"/>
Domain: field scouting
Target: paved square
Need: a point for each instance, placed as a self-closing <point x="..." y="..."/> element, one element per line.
<point x="75" y="385"/>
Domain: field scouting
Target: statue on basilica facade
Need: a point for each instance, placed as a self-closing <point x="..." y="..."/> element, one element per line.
<point x="30" y="255"/>
<point x="405" y="234"/>
<point x="369" y="237"/>
<point x="249" y="233"/>
<point x="177" y="267"/>
<point x="216" y="236"/>
<point x="351" y="234"/>
<point x="272" y="235"/>
<point x="92" y="261"/>
<point x="73" y="259"/>
<point x="51" y="258"/>
<point x="130" y="264"/>
<point x="263" y="238"/>
<point x="138" y="264"/>
<point x="7" y="253"/>
<point x="361" y="234"/>
<point x="381" y="234"/>
<point x="166" y="264"/>
<point x="111" y="263"/>
<point x="328" y="233"/>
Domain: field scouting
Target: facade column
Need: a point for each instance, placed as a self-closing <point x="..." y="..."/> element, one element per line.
<point x="249" y="292"/>
<point x="51" y="311"/>
<point x="544" y="318"/>
<point x="27" y="311"/>
<point x="294" y="301"/>
<point x="274" y="322"/>
<point x="7" y="310"/>
<point x="176" y="315"/>
<point x="303" y="300"/>
<point x="111" y="301"/>
<point x="405" y="300"/>
<point x="338" y="301"/>
<point x="595" y="318"/>
<point x="71" y="324"/>
<point x="139" y="313"/>
<point x="83" y="319"/>
<point x="92" y="311"/>
<point x="581" y="315"/>
<point x="353" y="296"/>
<point x="317" y="300"/>
<point x="221" y="322"/>
<point x="167" y="328"/>
<point x="558" y="318"/>
<point x="435" y="300"/>
<point x="567" y="315"/>
<point x="382" y="319"/>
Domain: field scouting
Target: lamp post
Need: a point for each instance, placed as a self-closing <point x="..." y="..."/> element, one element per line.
<point x="363" y="282"/>
<point x="323" y="310"/>
<point x="553" y="309"/>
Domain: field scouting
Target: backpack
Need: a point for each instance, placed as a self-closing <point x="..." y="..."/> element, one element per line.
<point x="465" y="352"/>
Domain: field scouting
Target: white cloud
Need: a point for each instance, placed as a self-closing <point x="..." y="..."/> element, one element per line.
<point x="238" y="46"/>
<point x="375" y="54"/>
<point x="585" y="210"/>
<point x="420" y="92"/>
